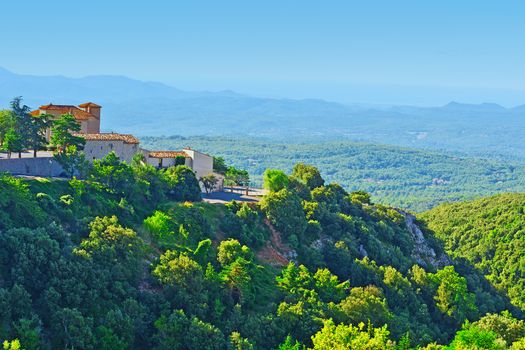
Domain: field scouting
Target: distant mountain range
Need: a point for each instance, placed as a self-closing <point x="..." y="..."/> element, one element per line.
<point x="150" y="108"/>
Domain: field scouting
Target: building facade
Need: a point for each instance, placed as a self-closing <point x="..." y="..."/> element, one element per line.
<point x="100" y="145"/>
<point x="87" y="115"/>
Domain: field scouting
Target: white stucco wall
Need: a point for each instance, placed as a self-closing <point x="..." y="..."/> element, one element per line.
<point x="201" y="163"/>
<point x="99" y="149"/>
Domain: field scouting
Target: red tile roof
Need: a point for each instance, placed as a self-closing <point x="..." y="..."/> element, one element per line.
<point x="89" y="104"/>
<point x="110" y="137"/>
<point x="78" y="113"/>
<point x="167" y="154"/>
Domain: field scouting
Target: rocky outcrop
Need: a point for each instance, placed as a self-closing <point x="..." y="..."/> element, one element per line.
<point x="276" y="252"/>
<point x="423" y="253"/>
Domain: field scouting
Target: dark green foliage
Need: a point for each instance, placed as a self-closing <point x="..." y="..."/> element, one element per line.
<point x="12" y="142"/>
<point x="401" y="177"/>
<point x="488" y="233"/>
<point x="307" y="174"/>
<point x="219" y="165"/>
<point x="111" y="263"/>
<point x="18" y="207"/>
<point x="62" y="133"/>
<point x="284" y="210"/>
<point x="72" y="161"/>
<point x="275" y="180"/>
<point x="238" y="177"/>
<point x="183" y="184"/>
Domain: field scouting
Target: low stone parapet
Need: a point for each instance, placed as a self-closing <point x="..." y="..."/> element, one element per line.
<point x="41" y="166"/>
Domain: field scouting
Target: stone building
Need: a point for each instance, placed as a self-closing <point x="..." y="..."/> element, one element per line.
<point x="165" y="159"/>
<point x="201" y="163"/>
<point x="99" y="145"/>
<point x="125" y="146"/>
<point x="87" y="114"/>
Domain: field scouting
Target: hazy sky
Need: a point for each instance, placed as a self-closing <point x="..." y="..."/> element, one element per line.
<point x="420" y="51"/>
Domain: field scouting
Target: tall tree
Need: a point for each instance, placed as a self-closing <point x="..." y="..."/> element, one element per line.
<point x="12" y="142"/>
<point x="23" y="121"/>
<point x="7" y="122"/>
<point x="37" y="132"/>
<point x="308" y="174"/>
<point x="62" y="133"/>
<point x="209" y="182"/>
<point x="72" y="161"/>
<point x="275" y="180"/>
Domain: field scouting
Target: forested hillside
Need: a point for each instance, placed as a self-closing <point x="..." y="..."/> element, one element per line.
<point x="402" y="177"/>
<point x="489" y="234"/>
<point x="130" y="258"/>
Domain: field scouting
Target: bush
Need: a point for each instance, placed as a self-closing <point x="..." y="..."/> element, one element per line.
<point x="183" y="183"/>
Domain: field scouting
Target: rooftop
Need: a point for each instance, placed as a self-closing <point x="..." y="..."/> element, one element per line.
<point x="126" y="138"/>
<point x="167" y="154"/>
<point x="89" y="104"/>
<point x="77" y="112"/>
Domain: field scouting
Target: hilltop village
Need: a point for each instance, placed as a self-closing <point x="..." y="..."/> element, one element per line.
<point x="98" y="145"/>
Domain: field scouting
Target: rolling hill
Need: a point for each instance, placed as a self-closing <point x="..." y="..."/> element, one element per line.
<point x="154" y="109"/>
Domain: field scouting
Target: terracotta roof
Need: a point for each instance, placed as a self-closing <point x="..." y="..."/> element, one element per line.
<point x="35" y="113"/>
<point x="89" y="104"/>
<point x="167" y="154"/>
<point x="53" y="107"/>
<point x="78" y="113"/>
<point x="110" y="137"/>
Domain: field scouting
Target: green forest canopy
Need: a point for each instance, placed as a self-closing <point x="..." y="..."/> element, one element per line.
<point x="408" y="178"/>
<point x="129" y="259"/>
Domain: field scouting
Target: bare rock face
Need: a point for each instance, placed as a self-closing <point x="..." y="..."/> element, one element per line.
<point x="423" y="253"/>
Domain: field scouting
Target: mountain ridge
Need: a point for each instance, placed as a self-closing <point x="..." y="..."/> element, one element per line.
<point x="156" y="109"/>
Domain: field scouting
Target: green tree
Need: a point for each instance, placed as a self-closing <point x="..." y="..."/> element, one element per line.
<point x="308" y="174"/>
<point x="184" y="185"/>
<point x="504" y="325"/>
<point x="117" y="176"/>
<point x="23" y="122"/>
<point x="62" y="133"/>
<point x="452" y="295"/>
<point x="285" y="211"/>
<point x="230" y="250"/>
<point x="209" y="182"/>
<point x="365" y="305"/>
<point x="72" y="330"/>
<point x="342" y="337"/>
<point x="289" y="344"/>
<point x="72" y="161"/>
<point x="219" y="165"/>
<point x="7" y="122"/>
<point x="37" y="132"/>
<point x="112" y="246"/>
<point x="472" y="337"/>
<point x="179" y="269"/>
<point x="12" y="345"/>
<point x="237" y="342"/>
<point x="13" y="142"/>
<point x="238" y="177"/>
<point x="275" y="180"/>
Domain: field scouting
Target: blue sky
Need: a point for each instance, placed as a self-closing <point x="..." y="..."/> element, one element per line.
<point x="385" y="52"/>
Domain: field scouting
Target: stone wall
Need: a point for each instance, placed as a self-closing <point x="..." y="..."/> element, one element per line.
<point x="42" y="166"/>
<point x="97" y="149"/>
